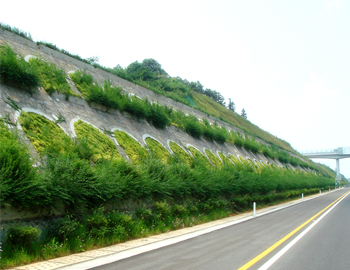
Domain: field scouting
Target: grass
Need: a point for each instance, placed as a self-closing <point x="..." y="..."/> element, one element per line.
<point x="177" y="90"/>
<point x="217" y="110"/>
<point x="72" y="234"/>
<point x="199" y="156"/>
<point x="44" y="134"/>
<point x="158" y="150"/>
<point x="225" y="159"/>
<point x="183" y="194"/>
<point x="132" y="148"/>
<point x="214" y="159"/>
<point x="101" y="146"/>
<point x="180" y="153"/>
<point x="162" y="116"/>
<point x="51" y="78"/>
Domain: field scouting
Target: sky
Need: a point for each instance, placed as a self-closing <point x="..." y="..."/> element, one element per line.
<point x="287" y="63"/>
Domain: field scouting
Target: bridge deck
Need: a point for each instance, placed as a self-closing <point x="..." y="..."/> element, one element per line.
<point x="338" y="153"/>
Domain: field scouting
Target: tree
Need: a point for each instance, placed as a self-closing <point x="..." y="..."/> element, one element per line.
<point x="215" y="95"/>
<point x="139" y="72"/>
<point x="197" y="87"/>
<point x="244" y="114"/>
<point x="231" y="105"/>
<point x="93" y="59"/>
<point x="153" y="66"/>
<point x="133" y="68"/>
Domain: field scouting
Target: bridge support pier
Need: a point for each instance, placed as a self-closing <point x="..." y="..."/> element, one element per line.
<point x="337" y="166"/>
<point x="338" y="176"/>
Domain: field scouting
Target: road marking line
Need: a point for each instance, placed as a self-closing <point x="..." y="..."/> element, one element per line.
<point x="296" y="239"/>
<point x="267" y="251"/>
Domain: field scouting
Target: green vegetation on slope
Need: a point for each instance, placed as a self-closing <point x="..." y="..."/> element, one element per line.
<point x="101" y="146"/>
<point x="44" y="134"/>
<point x="132" y="148"/>
<point x="225" y="159"/>
<point x="180" y="153"/>
<point x="199" y="157"/>
<point x="150" y="75"/>
<point x="158" y="150"/>
<point x="214" y="159"/>
<point x="65" y="178"/>
<point x="159" y="116"/>
<point x="17" y="176"/>
<point x="51" y="78"/>
<point x="15" y="71"/>
<point x="233" y="118"/>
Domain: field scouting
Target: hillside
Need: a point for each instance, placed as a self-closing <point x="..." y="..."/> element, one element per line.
<point x="88" y="159"/>
<point x="219" y="111"/>
<point x="150" y="74"/>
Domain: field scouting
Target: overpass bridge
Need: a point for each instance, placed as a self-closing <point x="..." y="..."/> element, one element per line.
<point x="338" y="153"/>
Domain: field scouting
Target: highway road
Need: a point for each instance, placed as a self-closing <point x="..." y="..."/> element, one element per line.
<point x="313" y="234"/>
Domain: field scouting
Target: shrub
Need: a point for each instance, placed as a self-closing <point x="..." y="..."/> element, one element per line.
<point x="238" y="142"/>
<point x="225" y="159"/>
<point x="65" y="228"/>
<point x="283" y="157"/>
<point x="220" y="136"/>
<point x="251" y="145"/>
<point x="18" y="178"/>
<point x="96" y="220"/>
<point x="70" y="180"/>
<point x="15" y="71"/>
<point x="209" y="133"/>
<point x="145" y="215"/>
<point x="178" y="210"/>
<point x="162" y="209"/>
<point x="193" y="127"/>
<point x="136" y="107"/>
<point x="266" y="151"/>
<point x="22" y="235"/>
<point x="157" y="116"/>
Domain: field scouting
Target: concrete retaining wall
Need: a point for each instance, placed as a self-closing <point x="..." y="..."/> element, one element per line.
<point x="77" y="108"/>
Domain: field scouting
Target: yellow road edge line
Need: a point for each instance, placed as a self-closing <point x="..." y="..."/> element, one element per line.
<point x="267" y="251"/>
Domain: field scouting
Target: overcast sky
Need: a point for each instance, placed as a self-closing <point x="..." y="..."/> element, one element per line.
<point x="287" y="63"/>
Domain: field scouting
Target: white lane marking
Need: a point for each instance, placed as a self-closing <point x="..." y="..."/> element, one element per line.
<point x="296" y="239"/>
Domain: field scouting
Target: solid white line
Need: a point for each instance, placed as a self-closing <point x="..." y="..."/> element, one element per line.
<point x="296" y="239"/>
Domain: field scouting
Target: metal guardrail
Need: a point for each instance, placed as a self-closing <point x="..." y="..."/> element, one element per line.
<point x="339" y="150"/>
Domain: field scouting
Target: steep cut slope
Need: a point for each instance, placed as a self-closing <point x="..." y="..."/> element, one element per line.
<point x="219" y="111"/>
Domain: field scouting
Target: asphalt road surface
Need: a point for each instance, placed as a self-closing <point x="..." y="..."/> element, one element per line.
<point x="265" y="242"/>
